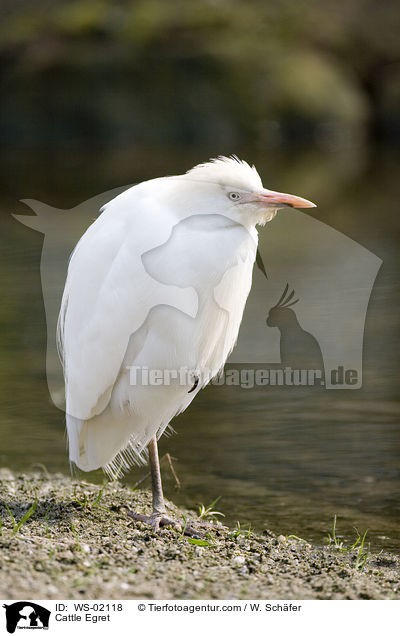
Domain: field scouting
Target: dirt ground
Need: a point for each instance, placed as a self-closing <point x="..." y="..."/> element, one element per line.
<point x="78" y="542"/>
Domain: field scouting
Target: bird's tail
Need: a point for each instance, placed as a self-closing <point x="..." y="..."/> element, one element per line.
<point x="106" y="441"/>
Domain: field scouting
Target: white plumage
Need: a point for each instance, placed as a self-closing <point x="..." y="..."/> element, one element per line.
<point x="159" y="281"/>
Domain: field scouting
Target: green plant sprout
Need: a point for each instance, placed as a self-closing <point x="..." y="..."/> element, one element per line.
<point x="359" y="545"/>
<point x="296" y="538"/>
<point x="247" y="533"/>
<point x="89" y="501"/>
<point x="18" y="525"/>
<point x="204" y="513"/>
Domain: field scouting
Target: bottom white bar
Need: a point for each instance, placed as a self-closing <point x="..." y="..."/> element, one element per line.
<point x="174" y="617"/>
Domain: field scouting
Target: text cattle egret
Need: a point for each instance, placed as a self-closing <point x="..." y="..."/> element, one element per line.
<point x="157" y="286"/>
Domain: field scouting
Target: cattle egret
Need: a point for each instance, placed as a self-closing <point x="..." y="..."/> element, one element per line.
<point x="152" y="306"/>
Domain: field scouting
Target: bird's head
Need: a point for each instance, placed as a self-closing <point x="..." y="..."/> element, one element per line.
<point x="232" y="187"/>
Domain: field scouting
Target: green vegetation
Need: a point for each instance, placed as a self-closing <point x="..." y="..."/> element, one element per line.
<point x="247" y="533"/>
<point x="358" y="547"/>
<point x="88" y="501"/>
<point x="209" y="512"/>
<point x="17" y="525"/>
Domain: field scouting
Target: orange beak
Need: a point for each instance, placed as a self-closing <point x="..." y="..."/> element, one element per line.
<point x="278" y="200"/>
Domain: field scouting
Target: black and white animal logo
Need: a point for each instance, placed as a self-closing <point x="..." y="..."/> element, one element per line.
<point x="26" y="615"/>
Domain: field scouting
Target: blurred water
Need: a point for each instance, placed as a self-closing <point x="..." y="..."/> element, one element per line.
<point x="288" y="459"/>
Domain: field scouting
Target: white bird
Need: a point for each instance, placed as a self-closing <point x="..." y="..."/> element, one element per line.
<point x="152" y="305"/>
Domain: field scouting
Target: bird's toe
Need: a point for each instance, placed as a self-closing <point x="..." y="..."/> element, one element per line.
<point x="157" y="521"/>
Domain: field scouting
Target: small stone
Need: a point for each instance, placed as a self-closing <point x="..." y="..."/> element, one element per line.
<point x="238" y="561"/>
<point x="6" y="474"/>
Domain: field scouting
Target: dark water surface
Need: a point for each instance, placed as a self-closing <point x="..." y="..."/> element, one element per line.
<point x="284" y="458"/>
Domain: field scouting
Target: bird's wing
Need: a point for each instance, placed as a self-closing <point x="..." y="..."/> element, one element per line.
<point x="108" y="295"/>
<point x="214" y="255"/>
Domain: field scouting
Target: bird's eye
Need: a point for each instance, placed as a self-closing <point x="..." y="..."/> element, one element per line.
<point x="234" y="196"/>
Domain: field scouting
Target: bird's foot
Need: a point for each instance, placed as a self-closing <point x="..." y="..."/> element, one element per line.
<point x="156" y="520"/>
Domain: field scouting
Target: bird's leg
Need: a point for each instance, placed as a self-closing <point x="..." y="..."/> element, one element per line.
<point x="157" y="518"/>
<point x="156" y="483"/>
<point x="168" y="457"/>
